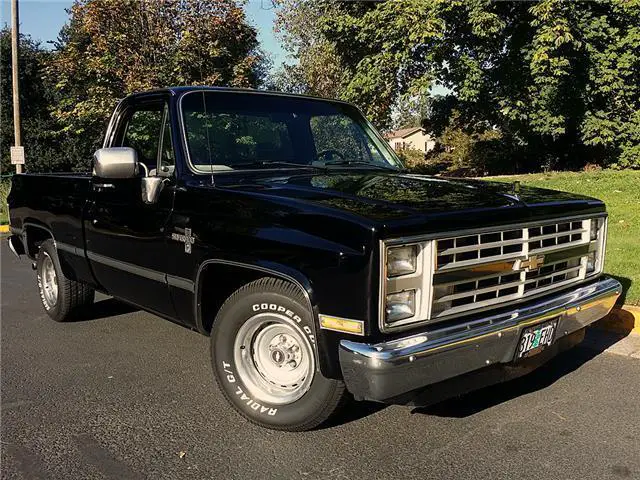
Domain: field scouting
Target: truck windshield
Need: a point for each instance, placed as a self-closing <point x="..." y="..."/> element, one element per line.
<point x="237" y="131"/>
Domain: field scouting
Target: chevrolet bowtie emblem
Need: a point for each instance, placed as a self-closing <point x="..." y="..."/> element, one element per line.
<point x="534" y="262"/>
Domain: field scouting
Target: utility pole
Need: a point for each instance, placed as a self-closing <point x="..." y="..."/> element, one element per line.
<point x="14" y="76"/>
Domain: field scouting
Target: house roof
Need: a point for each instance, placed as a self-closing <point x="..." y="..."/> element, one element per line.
<point x="403" y="132"/>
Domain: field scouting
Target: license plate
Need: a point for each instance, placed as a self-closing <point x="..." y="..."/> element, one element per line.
<point x="535" y="339"/>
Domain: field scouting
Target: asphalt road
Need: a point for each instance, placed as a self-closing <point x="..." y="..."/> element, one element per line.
<point x="122" y="394"/>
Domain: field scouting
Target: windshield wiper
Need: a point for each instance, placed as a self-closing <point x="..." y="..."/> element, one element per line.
<point x="268" y="163"/>
<point x="358" y="163"/>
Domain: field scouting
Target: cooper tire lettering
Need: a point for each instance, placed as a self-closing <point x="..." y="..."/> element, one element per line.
<point x="272" y="307"/>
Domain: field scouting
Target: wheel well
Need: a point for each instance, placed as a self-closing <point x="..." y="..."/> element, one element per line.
<point x="34" y="237"/>
<point x="217" y="283"/>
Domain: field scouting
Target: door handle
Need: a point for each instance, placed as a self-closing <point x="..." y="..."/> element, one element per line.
<point x="103" y="186"/>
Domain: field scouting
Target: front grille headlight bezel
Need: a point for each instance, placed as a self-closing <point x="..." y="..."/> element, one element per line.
<point x="418" y="281"/>
<point x="597" y="246"/>
<point x="422" y="281"/>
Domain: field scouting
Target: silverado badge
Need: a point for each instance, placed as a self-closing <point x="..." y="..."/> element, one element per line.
<point x="187" y="239"/>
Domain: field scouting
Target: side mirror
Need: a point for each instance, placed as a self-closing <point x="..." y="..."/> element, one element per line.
<point x="115" y="162"/>
<point x="151" y="188"/>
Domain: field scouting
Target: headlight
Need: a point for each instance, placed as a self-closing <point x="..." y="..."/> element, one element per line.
<point x="400" y="305"/>
<point x="402" y="260"/>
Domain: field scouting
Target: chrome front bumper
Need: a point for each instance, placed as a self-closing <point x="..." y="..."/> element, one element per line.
<point x="386" y="370"/>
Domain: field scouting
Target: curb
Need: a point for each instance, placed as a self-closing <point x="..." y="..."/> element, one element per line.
<point x="4" y="228"/>
<point x="624" y="319"/>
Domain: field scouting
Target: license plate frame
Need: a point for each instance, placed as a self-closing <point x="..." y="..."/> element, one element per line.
<point x="536" y="338"/>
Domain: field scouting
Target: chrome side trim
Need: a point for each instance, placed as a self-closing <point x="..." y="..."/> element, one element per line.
<point x="182" y="283"/>
<point x="172" y="280"/>
<point x="158" y="276"/>
<point x="127" y="267"/>
<point x="70" y="248"/>
<point x="37" y="225"/>
<point x="25" y="236"/>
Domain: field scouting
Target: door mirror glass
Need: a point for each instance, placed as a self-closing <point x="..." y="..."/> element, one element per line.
<point x="115" y="162"/>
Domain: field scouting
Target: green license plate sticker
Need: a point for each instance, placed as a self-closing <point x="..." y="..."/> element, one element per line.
<point x="535" y="339"/>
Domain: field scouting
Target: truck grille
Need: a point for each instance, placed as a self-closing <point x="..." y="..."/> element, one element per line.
<point x="484" y="269"/>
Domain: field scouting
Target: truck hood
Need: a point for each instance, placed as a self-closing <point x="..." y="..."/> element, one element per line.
<point x="403" y="203"/>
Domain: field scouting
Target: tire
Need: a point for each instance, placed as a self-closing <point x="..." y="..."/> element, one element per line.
<point x="61" y="298"/>
<point x="265" y="361"/>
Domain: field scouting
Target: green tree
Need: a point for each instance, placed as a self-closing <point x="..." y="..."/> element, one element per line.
<point x="317" y="70"/>
<point x="557" y="80"/>
<point x="111" y="48"/>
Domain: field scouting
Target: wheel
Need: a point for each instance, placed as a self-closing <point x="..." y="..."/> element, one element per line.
<point x="265" y="362"/>
<point x="61" y="297"/>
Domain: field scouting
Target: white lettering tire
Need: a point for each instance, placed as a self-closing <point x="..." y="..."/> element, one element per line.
<point x="264" y="358"/>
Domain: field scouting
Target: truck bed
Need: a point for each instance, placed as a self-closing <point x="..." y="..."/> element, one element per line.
<point x="54" y="201"/>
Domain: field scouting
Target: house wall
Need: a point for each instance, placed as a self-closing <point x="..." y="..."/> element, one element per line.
<point x="418" y="140"/>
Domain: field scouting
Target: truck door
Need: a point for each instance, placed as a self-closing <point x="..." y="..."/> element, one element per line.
<point x="126" y="237"/>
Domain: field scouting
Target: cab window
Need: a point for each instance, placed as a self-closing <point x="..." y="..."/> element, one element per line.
<point x="148" y="131"/>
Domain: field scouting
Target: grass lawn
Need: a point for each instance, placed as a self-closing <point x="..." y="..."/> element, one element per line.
<point x="620" y="190"/>
<point x="5" y="185"/>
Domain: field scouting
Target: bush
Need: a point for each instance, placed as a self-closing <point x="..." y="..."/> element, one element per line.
<point x="463" y="154"/>
<point x="412" y="157"/>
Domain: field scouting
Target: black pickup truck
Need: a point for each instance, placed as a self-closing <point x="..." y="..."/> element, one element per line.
<point x="286" y="229"/>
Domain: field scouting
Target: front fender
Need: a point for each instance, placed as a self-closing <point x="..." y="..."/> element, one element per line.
<point x="326" y="341"/>
<point x="268" y="268"/>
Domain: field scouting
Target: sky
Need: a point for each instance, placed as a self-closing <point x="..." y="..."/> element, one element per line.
<point x="42" y="19"/>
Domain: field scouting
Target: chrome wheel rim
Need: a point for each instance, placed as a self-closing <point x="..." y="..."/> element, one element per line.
<point x="274" y="359"/>
<point x="49" y="280"/>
